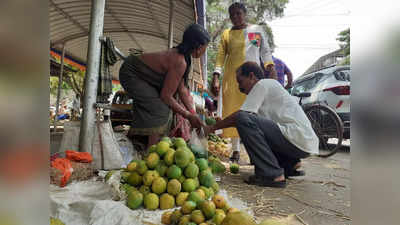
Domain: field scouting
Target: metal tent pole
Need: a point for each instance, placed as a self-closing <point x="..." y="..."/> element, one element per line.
<point x="91" y="79"/>
<point x="204" y="58"/>
<point x="60" y="78"/>
<point x="171" y="24"/>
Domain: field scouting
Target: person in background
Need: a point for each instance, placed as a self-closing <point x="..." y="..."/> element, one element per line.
<point x="62" y="114"/>
<point x="273" y="127"/>
<point x="209" y="103"/>
<point x="243" y="42"/>
<point x="76" y="106"/>
<point x="281" y="70"/>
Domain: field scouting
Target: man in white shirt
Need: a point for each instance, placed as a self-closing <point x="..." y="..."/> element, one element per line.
<point x="273" y="127"/>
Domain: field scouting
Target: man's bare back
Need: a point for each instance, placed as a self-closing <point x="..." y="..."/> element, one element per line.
<point x="162" y="61"/>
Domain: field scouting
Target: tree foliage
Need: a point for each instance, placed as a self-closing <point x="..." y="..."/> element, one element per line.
<point x="344" y="43"/>
<point x="217" y="16"/>
<point x="74" y="81"/>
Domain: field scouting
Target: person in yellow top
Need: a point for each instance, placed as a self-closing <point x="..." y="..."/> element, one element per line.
<point x="243" y="42"/>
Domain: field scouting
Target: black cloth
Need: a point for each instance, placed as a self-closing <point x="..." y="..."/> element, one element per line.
<point x="150" y="114"/>
<point x="269" y="151"/>
<point x="108" y="58"/>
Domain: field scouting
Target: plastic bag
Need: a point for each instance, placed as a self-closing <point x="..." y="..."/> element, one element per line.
<point x="182" y="128"/>
<point x="198" y="144"/>
<point x="64" y="166"/>
<point x="84" y="157"/>
<point x="114" y="180"/>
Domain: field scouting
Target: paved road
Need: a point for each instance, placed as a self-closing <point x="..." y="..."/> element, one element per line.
<point x="322" y="197"/>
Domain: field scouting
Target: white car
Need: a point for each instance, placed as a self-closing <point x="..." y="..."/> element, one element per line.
<point x="330" y="86"/>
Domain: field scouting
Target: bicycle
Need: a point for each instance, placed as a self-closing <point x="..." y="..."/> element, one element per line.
<point x="326" y="123"/>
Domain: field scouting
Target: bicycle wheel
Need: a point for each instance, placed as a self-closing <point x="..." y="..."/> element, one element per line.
<point x="327" y="126"/>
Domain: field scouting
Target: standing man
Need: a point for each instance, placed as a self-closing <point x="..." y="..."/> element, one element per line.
<point x="273" y="127"/>
<point x="281" y="70"/>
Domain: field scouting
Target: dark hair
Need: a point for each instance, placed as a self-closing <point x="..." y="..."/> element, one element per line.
<point x="238" y="5"/>
<point x="247" y="67"/>
<point x="194" y="36"/>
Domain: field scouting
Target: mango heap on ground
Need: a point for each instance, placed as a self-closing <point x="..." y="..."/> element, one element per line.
<point x="169" y="176"/>
<point x="198" y="210"/>
<point x="211" y="212"/>
<point x="218" y="146"/>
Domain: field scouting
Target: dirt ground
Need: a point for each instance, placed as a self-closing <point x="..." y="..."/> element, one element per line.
<point x="322" y="197"/>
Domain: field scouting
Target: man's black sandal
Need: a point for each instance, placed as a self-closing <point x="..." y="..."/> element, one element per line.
<point x="294" y="173"/>
<point x="264" y="182"/>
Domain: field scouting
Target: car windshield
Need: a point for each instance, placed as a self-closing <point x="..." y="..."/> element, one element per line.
<point x="303" y="86"/>
<point x="343" y="75"/>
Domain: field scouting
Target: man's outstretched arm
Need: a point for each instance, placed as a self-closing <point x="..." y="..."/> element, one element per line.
<point x="229" y="121"/>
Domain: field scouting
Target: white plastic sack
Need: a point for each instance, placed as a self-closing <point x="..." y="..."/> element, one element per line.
<point x="112" y="156"/>
<point x="126" y="148"/>
<point x="90" y="203"/>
